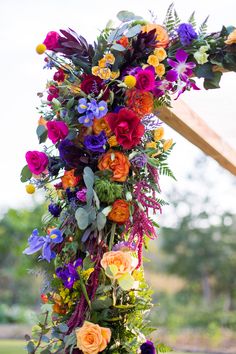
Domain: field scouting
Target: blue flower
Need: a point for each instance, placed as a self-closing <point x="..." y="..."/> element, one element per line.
<point x="68" y="274"/>
<point x="91" y="110"/>
<point x="186" y="33"/>
<point x="54" y="209"/>
<point x="148" y="348"/>
<point x="36" y="243"/>
<point x="96" y="143"/>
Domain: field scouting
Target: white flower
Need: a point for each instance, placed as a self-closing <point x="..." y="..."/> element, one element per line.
<point x="200" y="57"/>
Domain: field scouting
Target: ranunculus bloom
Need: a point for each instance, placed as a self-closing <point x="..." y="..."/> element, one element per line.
<point x="119" y="212"/>
<point x="100" y="125"/>
<point x="231" y="38"/>
<point x="59" y="76"/>
<point x="116" y="162"/>
<point x="127" y="127"/>
<point x="148" y="348"/>
<point x="69" y="179"/>
<point x="37" y="161"/>
<point x="140" y="102"/>
<point x="93" y="85"/>
<point x="57" y="130"/>
<point x="91" y="338"/>
<point x="122" y="260"/>
<point x="51" y="40"/>
<point x="161" y="34"/>
<point x="145" y="79"/>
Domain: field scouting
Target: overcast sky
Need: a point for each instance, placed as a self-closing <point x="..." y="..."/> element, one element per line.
<point x="24" y="24"/>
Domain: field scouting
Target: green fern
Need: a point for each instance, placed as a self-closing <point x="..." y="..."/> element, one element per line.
<point x="169" y="21"/>
<point x="162" y="202"/>
<point x="165" y="170"/>
<point x="163" y="348"/>
<point x="177" y="19"/>
<point x="203" y="28"/>
<point x="192" y="20"/>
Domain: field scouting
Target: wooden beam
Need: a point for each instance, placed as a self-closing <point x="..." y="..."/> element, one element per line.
<point x="187" y="123"/>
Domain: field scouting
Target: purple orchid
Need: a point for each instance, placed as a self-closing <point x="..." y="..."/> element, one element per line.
<point x="37" y="242"/>
<point x="161" y="87"/>
<point x="68" y="274"/>
<point x="91" y="110"/>
<point x="181" y="69"/>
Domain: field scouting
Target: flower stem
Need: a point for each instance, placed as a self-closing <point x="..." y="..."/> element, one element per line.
<point x="111" y="241"/>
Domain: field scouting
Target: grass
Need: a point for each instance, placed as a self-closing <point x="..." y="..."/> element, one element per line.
<point x="12" y="347"/>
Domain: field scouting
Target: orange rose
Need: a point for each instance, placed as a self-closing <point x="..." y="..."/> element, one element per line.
<point x="140" y="102"/>
<point x="161" y="34"/>
<point x="116" y="162"/>
<point x="69" y="179"/>
<point x="122" y="262"/>
<point x="231" y="38"/>
<point x="119" y="212"/>
<point x="101" y="124"/>
<point x="91" y="338"/>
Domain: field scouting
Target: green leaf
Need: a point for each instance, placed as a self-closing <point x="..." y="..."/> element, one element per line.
<point x="70" y="340"/>
<point x="133" y="31"/>
<point x="88" y="177"/>
<point x="70" y="103"/>
<point x="42" y="133"/>
<point x="72" y="134"/>
<point x="30" y="347"/>
<point x="36" y="331"/>
<point x="101" y="303"/>
<point x="26" y="174"/>
<point x="126" y="16"/>
<point x="45" y="351"/>
<point x="214" y="82"/>
<point x="111" y="270"/>
<point x="63" y="327"/>
<point x="205" y="71"/>
<point x="56" y="103"/>
<point x="96" y="199"/>
<point x="101" y="221"/>
<point x="126" y="282"/>
<point x="163" y="348"/>
<point x="87" y="263"/>
<point x="118" y="47"/>
<point x="82" y="218"/>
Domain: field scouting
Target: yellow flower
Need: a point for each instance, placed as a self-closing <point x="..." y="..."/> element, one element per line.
<point x="110" y="59"/>
<point x="104" y="73"/>
<point x="167" y="144"/>
<point x="231" y="38"/>
<point x="151" y="145"/>
<point x="30" y="188"/>
<point x="112" y="141"/>
<point x="130" y="81"/>
<point x="86" y="273"/>
<point x="74" y="88"/>
<point x="153" y="60"/>
<point x="160" y="70"/>
<point x="115" y="74"/>
<point x="158" y="133"/>
<point x="95" y="70"/>
<point x="160" y="53"/>
<point x="41" y="48"/>
<point x="102" y="63"/>
<point x="201" y="57"/>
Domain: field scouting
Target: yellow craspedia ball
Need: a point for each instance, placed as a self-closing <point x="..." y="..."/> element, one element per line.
<point x="41" y="48"/>
<point x="130" y="81"/>
<point x="30" y="188"/>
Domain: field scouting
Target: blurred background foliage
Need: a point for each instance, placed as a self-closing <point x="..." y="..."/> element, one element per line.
<point x="191" y="266"/>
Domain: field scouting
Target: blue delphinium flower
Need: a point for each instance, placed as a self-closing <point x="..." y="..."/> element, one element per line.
<point x="37" y="242"/>
<point x="186" y="33"/>
<point x="91" y="110"/>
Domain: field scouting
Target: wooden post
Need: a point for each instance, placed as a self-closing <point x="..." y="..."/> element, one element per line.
<point x="187" y="123"/>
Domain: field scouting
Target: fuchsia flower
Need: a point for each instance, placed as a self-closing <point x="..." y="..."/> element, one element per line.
<point x="52" y="40"/>
<point x="59" y="76"/>
<point x="57" y="130"/>
<point x="145" y="79"/>
<point x="37" y="161"/>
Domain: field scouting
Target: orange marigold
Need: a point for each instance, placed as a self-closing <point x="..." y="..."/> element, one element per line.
<point x="119" y="212"/>
<point x="69" y="179"/>
<point x="141" y="102"/>
<point x="101" y="124"/>
<point x="116" y="162"/>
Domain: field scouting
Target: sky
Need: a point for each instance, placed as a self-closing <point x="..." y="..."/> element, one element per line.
<point x="25" y="23"/>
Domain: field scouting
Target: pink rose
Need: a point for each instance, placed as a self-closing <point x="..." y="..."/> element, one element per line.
<point x="145" y="79"/>
<point x="37" y="161"/>
<point x="51" y="40"/>
<point x="57" y="130"/>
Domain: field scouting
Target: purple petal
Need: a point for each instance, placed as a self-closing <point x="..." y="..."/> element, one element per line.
<point x="46" y="252"/>
<point x="190" y="65"/>
<point x="172" y="63"/>
<point x="181" y="56"/>
<point x="172" y="75"/>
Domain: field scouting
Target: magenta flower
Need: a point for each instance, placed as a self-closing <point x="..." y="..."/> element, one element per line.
<point x="37" y="161"/>
<point x="181" y="69"/>
<point x="145" y="79"/>
<point x="51" y="40"/>
<point x="57" y="130"/>
<point x="81" y="194"/>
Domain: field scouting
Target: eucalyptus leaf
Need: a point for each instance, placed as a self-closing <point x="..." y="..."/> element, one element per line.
<point x="118" y="47"/>
<point x="96" y="199"/>
<point x="88" y="176"/>
<point x="133" y="31"/>
<point x="42" y="133"/>
<point x="101" y="221"/>
<point x="82" y="218"/>
<point x="126" y="282"/>
<point x="126" y="16"/>
<point x="26" y="174"/>
<point x="107" y="210"/>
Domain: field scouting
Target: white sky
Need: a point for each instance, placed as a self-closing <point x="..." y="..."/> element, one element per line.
<point x="24" y="24"/>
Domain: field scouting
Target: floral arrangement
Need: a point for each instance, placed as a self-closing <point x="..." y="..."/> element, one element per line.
<point x="100" y="168"/>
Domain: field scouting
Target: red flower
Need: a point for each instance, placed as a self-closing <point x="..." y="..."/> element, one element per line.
<point x="93" y="84"/>
<point x="51" y="40"/>
<point x="57" y="130"/>
<point x="53" y="92"/>
<point x="59" y="75"/>
<point x="127" y="127"/>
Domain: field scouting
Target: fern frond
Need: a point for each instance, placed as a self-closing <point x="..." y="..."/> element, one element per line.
<point x="192" y="20"/>
<point x="169" y="21"/>
<point x="163" y="348"/>
<point x="166" y="171"/>
<point x="177" y="19"/>
<point x="203" y="28"/>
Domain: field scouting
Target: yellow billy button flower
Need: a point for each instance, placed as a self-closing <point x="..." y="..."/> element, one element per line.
<point x="160" y="70"/>
<point x="110" y="59"/>
<point x="167" y="144"/>
<point x="112" y="141"/>
<point x="30" y="188"/>
<point x="160" y="53"/>
<point x="153" y="60"/>
<point x="115" y="74"/>
<point x="151" y="145"/>
<point x="41" y="48"/>
<point x="130" y="81"/>
<point x="104" y="73"/>
<point x="95" y="70"/>
<point x="102" y="63"/>
<point x="158" y="133"/>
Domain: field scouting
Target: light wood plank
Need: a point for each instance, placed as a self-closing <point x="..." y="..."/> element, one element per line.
<point x="187" y="123"/>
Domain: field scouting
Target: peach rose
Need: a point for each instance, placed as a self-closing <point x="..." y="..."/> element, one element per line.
<point x="101" y="124"/>
<point x="91" y="338"/>
<point x="121" y="260"/>
<point x="161" y="34"/>
<point x="119" y="212"/>
<point x="231" y="38"/>
<point x="116" y="162"/>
